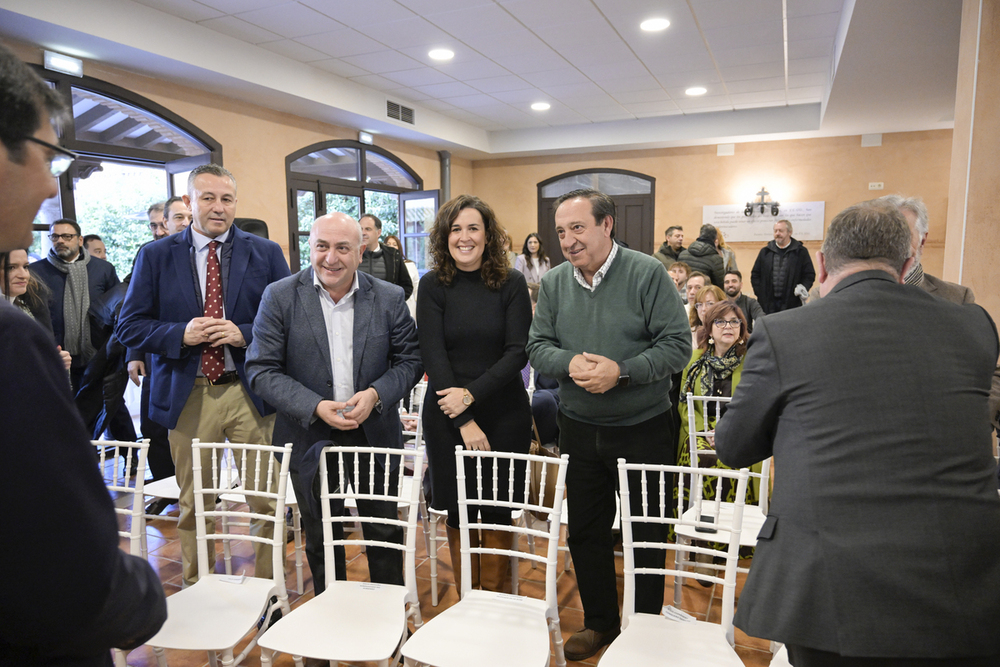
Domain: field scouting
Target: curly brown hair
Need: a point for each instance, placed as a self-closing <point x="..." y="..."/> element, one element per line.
<point x="495" y="268"/>
<point x="718" y="311"/>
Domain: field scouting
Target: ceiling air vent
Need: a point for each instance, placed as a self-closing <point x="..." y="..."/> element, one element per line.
<point x="397" y="111"/>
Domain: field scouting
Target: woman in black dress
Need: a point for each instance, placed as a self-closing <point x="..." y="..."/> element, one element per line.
<point x="473" y="315"/>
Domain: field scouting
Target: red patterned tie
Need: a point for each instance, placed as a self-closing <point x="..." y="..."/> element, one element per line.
<point x="213" y="360"/>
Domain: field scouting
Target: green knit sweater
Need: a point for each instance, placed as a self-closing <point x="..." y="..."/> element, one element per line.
<point x="634" y="317"/>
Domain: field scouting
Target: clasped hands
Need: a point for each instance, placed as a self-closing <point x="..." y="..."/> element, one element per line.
<point x="350" y="414"/>
<point x="213" y="331"/>
<point x="593" y="372"/>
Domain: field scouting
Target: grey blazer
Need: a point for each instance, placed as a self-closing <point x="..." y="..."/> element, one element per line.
<point x="288" y="362"/>
<point x="883" y="533"/>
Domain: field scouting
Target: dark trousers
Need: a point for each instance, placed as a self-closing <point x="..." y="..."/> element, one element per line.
<point x="161" y="464"/>
<point x="591" y="485"/>
<point x="802" y="656"/>
<point x="385" y="566"/>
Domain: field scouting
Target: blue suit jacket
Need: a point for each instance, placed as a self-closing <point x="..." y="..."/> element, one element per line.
<point x="289" y="365"/>
<point x="164" y="296"/>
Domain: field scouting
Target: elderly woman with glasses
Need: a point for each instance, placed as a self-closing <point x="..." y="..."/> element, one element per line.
<point x="714" y="370"/>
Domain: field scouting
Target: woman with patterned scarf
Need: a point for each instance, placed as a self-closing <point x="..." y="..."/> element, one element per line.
<point x="714" y="370"/>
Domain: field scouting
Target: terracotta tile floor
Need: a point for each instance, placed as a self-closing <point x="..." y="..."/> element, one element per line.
<point x="164" y="555"/>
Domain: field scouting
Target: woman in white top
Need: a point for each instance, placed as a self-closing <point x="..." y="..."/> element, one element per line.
<point x="532" y="262"/>
<point x="393" y="242"/>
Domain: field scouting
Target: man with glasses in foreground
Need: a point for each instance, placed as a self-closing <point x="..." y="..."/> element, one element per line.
<point x="76" y="279"/>
<point x="70" y="593"/>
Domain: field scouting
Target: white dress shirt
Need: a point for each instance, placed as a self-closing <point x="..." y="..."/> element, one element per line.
<point x="339" y="318"/>
<point x="201" y="265"/>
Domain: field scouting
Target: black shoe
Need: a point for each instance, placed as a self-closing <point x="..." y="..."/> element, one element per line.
<point x="160" y="504"/>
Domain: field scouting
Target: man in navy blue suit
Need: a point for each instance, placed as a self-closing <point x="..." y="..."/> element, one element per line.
<point x="191" y="305"/>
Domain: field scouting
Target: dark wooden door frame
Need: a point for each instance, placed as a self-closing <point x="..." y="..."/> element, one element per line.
<point x="642" y="240"/>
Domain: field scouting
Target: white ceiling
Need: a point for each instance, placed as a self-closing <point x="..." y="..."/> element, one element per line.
<point x="773" y="68"/>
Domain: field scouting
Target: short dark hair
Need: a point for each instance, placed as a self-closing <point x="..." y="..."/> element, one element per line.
<point x="65" y="221"/>
<point x="165" y="206"/>
<point x="159" y="206"/>
<point x="735" y="273"/>
<point x="91" y="237"/>
<point x="708" y="234"/>
<point x="375" y="219"/>
<point x="671" y="229"/>
<point x="872" y="231"/>
<point x="24" y="102"/>
<point x="601" y="205"/>
<point x="699" y="274"/>
<point x="214" y="170"/>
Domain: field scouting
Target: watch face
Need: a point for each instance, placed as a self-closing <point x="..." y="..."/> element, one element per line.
<point x="467" y="399"/>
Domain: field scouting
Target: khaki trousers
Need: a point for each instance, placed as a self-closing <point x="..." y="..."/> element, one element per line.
<point x="217" y="414"/>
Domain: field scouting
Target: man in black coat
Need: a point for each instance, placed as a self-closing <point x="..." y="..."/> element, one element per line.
<point x="77" y="279"/>
<point x="782" y="265"/>
<point x="704" y="257"/>
<point x="880" y="545"/>
<point x="380" y="260"/>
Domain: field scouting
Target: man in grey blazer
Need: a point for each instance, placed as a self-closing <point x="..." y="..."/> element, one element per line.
<point x="882" y="542"/>
<point x="334" y="350"/>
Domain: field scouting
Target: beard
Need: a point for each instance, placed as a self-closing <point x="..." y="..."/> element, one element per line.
<point x="67" y="253"/>
<point x="732" y="291"/>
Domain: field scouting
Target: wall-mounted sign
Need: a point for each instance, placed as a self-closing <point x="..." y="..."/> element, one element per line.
<point x="806" y="218"/>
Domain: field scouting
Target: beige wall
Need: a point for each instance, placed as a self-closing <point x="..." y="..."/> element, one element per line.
<point x="834" y="170"/>
<point x="974" y="232"/>
<point x="256" y="140"/>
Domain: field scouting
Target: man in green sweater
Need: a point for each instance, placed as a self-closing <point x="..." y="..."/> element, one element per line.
<point x="611" y="328"/>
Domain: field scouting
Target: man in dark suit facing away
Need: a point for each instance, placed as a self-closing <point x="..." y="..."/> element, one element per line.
<point x="881" y="542"/>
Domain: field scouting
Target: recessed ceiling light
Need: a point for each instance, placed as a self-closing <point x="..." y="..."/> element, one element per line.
<point x="697" y="90"/>
<point x="442" y="54"/>
<point x="654" y="25"/>
<point x="541" y="106"/>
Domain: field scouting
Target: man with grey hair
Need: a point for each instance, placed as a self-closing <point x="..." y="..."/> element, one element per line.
<point x="888" y="496"/>
<point x="334" y="350"/>
<point x="191" y="306"/>
<point x="915" y="212"/>
<point x="157" y="221"/>
<point x="783" y="272"/>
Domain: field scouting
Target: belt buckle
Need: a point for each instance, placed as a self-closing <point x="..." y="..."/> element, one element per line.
<point x="226" y="378"/>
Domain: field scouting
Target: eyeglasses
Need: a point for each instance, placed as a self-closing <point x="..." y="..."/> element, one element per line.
<point x="727" y="324"/>
<point x="64" y="237"/>
<point x="60" y="162"/>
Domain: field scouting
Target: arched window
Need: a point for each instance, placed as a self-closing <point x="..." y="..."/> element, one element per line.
<point x="355" y="178"/>
<point x="133" y="153"/>
<point x="635" y="199"/>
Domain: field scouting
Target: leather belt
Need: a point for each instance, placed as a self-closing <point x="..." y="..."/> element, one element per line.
<point x="228" y="377"/>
